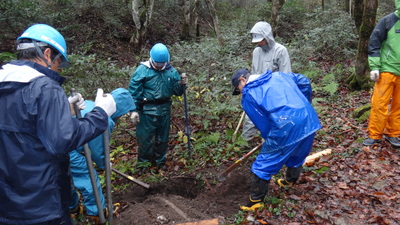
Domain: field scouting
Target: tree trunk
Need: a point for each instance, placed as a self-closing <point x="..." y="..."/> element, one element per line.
<point x="213" y="13"/>
<point x="358" y="13"/>
<point x="351" y="7"/>
<point x="347" y="6"/>
<point x="142" y="11"/>
<point x="360" y="79"/>
<point x="185" y="35"/>
<point x="276" y="7"/>
<point x="196" y="9"/>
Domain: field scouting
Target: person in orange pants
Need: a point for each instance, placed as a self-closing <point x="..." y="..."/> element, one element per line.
<point x="383" y="58"/>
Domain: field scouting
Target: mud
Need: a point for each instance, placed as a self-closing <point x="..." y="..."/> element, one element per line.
<point x="185" y="198"/>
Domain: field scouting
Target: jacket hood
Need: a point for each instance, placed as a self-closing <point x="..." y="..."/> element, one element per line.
<point x="124" y="102"/>
<point x="148" y="65"/>
<point x="397" y="4"/>
<point x="19" y="73"/>
<point x="265" y="30"/>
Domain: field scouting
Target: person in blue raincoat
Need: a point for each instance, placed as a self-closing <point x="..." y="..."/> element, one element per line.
<point x="37" y="130"/>
<point x="152" y="85"/>
<point x="279" y="105"/>
<point x="79" y="169"/>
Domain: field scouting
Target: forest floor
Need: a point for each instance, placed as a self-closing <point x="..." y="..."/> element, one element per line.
<point x="354" y="185"/>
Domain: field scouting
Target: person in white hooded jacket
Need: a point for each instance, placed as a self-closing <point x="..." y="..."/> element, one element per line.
<point x="268" y="55"/>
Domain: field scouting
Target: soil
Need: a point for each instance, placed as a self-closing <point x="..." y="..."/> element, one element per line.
<point x="185" y="198"/>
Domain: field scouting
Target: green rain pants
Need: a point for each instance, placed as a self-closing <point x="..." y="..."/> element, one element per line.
<point x="152" y="134"/>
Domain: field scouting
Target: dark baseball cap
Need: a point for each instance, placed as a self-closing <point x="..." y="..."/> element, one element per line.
<point x="235" y="79"/>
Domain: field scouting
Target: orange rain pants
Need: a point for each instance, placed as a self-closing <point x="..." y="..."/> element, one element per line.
<point x="383" y="120"/>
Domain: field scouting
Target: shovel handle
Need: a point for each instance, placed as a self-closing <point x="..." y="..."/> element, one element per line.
<point x="238" y="162"/>
<point x="238" y="126"/>
<point x="88" y="158"/>
<point x="131" y="178"/>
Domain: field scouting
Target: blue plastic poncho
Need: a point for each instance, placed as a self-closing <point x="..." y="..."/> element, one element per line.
<point x="279" y="106"/>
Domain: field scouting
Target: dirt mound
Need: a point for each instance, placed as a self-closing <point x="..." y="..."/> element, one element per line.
<point x="183" y="199"/>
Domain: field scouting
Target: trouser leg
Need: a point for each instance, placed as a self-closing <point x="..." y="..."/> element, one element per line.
<point x="145" y="133"/>
<point x="249" y="129"/>
<point x="162" y="136"/>
<point x="383" y="90"/>
<point x="393" y="123"/>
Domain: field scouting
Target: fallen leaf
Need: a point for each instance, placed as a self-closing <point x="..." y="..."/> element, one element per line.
<point x="262" y="222"/>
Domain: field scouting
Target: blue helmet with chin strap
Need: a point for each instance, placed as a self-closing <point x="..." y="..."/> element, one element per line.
<point x="159" y="53"/>
<point x="45" y="35"/>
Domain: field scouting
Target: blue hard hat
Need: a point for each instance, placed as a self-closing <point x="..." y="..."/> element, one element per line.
<point x="159" y="53"/>
<point x="47" y="34"/>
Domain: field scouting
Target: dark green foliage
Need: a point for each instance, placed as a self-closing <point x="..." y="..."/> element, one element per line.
<point x="327" y="38"/>
<point x="87" y="73"/>
<point x="6" y="57"/>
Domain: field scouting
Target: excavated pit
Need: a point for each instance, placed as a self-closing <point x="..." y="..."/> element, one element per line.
<point x="182" y="199"/>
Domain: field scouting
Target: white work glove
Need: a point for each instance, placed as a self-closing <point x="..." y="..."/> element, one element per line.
<point x="106" y="102"/>
<point x="374" y="75"/>
<point x="184" y="79"/>
<point x="135" y="118"/>
<point x="78" y="100"/>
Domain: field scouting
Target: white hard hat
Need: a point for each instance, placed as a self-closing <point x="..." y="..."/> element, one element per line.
<point x="256" y="37"/>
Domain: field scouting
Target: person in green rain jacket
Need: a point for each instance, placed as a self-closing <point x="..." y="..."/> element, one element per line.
<point x="152" y="85"/>
<point x="384" y="63"/>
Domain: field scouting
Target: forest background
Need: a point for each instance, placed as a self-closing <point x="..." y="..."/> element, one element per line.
<point x="209" y="40"/>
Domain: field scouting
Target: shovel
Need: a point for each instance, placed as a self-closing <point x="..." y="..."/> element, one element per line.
<point x="89" y="163"/>
<point x="186" y="116"/>
<point x="223" y="175"/>
<point x="131" y="178"/>
<point x="106" y="146"/>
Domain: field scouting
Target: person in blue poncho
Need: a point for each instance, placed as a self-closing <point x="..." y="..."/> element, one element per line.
<point x="79" y="169"/>
<point x="279" y="105"/>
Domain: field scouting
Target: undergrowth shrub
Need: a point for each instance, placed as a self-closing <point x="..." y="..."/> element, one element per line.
<point x="87" y="73"/>
<point x="327" y="37"/>
<point x="209" y="68"/>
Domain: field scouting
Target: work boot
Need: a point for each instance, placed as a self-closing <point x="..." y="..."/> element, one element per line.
<point x="292" y="175"/>
<point x="76" y="212"/>
<point x="370" y="141"/>
<point x="252" y="205"/>
<point x="394" y="141"/>
<point x="284" y="183"/>
<point x="258" y="190"/>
